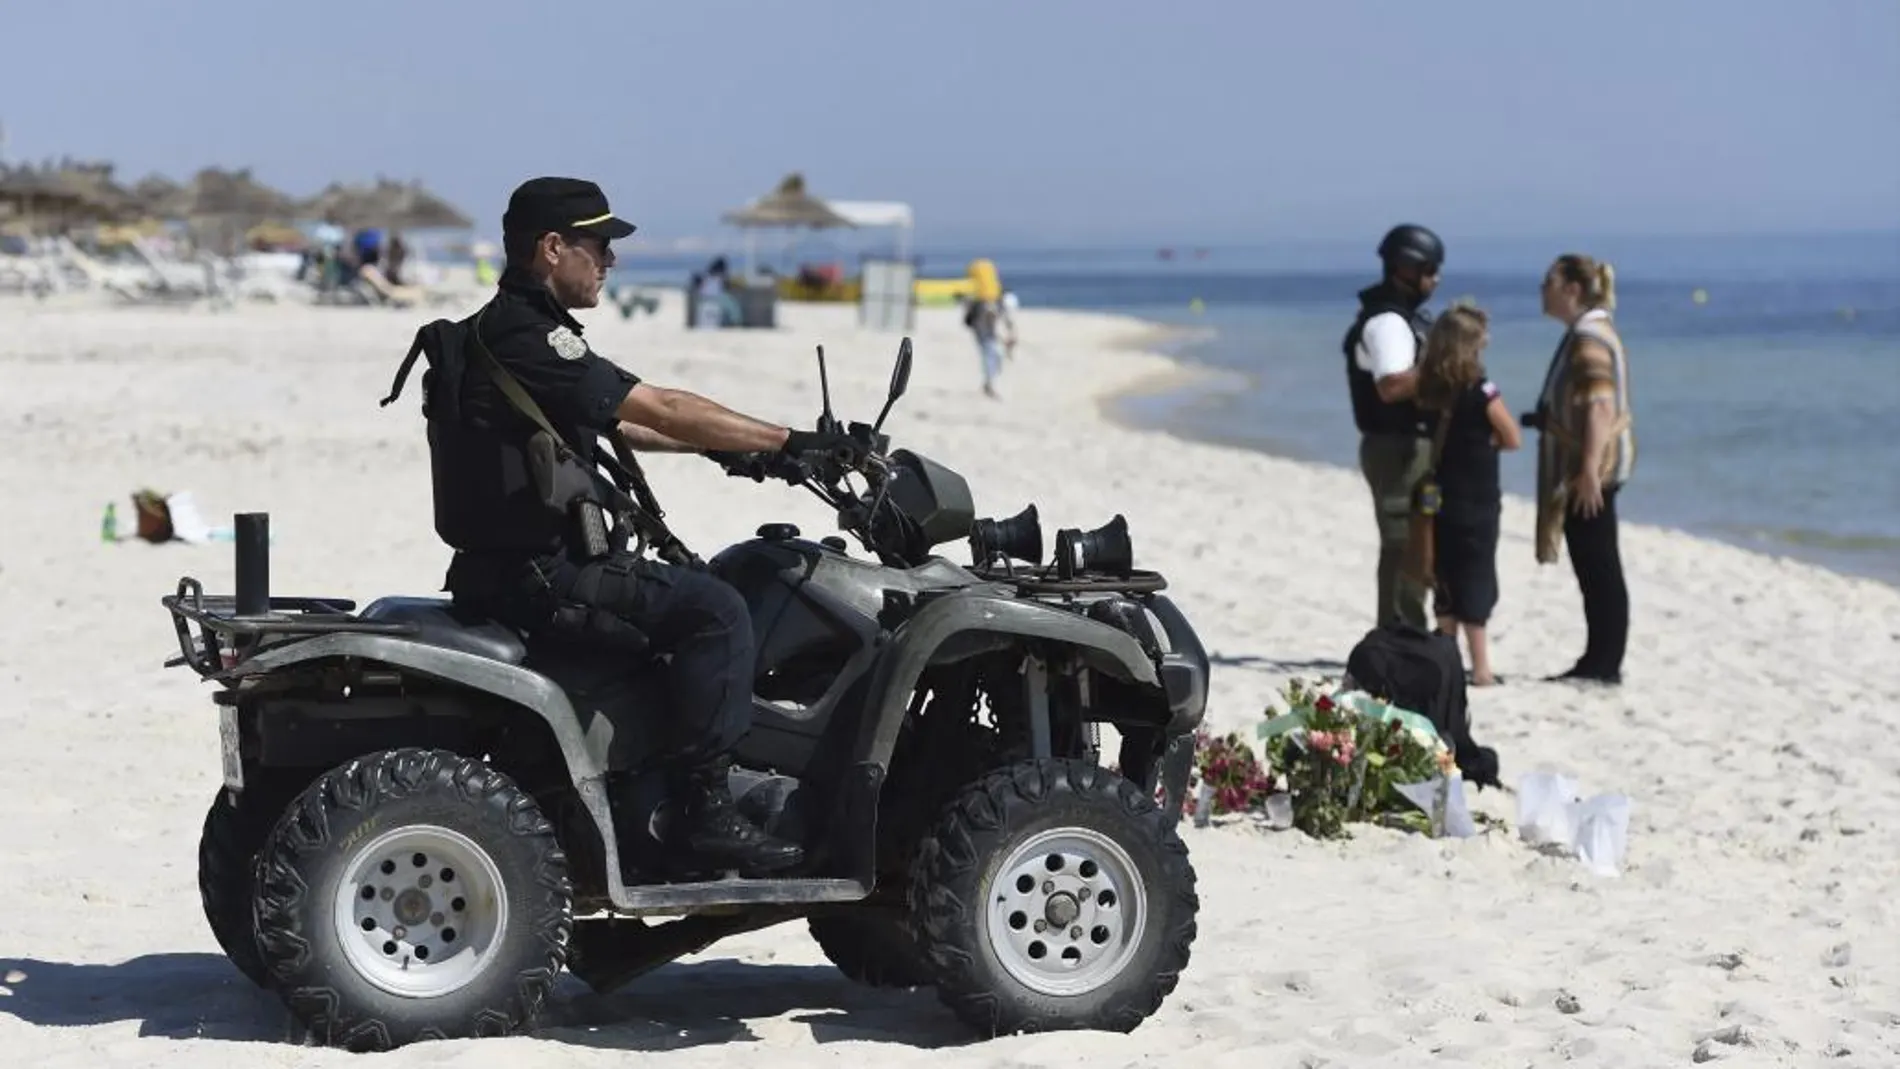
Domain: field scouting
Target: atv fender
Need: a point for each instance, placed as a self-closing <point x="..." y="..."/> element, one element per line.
<point x="584" y="751"/>
<point x="1184" y="667"/>
<point x="915" y="645"/>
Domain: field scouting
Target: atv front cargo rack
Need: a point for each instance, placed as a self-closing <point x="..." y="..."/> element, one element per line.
<point x="1044" y="581"/>
<point x="227" y="622"/>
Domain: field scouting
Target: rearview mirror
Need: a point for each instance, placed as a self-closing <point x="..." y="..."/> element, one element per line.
<point x="900" y="378"/>
<point x="900" y="375"/>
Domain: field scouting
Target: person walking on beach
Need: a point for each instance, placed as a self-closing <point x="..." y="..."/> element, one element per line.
<point x="1586" y="453"/>
<point x="1381" y="350"/>
<point x="1473" y="425"/>
<point x="985" y="313"/>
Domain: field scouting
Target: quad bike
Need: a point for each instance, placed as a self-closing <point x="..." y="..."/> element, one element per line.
<point x="415" y="832"/>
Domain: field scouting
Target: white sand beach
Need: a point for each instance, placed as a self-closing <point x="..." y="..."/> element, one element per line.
<point x="1756" y="734"/>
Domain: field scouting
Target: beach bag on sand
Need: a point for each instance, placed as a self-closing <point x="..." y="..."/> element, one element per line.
<point x="1422" y="671"/>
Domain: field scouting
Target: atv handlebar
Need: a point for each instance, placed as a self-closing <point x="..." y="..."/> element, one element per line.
<point x="825" y="472"/>
<point x="867" y="457"/>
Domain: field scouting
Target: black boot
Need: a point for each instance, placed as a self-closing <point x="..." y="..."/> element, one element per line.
<point x="712" y="828"/>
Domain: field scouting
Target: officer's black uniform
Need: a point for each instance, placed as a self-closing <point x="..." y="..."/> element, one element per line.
<point x="517" y="561"/>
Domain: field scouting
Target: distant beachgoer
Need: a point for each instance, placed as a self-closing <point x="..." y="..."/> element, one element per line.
<point x="396" y="256"/>
<point x="984" y="314"/>
<point x="1381" y="351"/>
<point x="715" y="305"/>
<point x="1586" y="453"/>
<point x="1473" y="425"/>
<point x="368" y="245"/>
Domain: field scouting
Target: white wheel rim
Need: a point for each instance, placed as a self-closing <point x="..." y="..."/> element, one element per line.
<point x="420" y="930"/>
<point x="1067" y="911"/>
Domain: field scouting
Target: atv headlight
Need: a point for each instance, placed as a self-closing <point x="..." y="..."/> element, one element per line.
<point x="1105" y="550"/>
<point x="1020" y="536"/>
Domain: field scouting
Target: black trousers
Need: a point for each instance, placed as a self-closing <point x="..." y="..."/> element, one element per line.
<point x="695" y="616"/>
<point x="1606" y="599"/>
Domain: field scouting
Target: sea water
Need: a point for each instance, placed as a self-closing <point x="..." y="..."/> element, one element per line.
<point x="1765" y="371"/>
<point x="1765" y="389"/>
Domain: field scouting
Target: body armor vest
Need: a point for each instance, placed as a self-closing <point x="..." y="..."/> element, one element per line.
<point x="1369" y="412"/>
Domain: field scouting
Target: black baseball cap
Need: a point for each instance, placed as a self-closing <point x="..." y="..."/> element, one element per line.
<point x="564" y="206"/>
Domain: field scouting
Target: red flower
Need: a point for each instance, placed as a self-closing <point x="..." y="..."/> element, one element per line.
<point x="1324" y="705"/>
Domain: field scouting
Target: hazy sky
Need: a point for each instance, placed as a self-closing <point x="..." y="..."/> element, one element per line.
<point x="1222" y="120"/>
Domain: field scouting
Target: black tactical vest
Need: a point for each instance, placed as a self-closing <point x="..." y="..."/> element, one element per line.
<point x="1372" y="415"/>
<point x="486" y="499"/>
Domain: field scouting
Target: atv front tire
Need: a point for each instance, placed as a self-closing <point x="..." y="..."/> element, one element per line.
<point x="1054" y="894"/>
<point x="409" y="895"/>
<point x="235" y="828"/>
<point x="876" y="949"/>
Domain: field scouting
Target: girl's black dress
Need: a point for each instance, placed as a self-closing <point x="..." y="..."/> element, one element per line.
<point x="1466" y="527"/>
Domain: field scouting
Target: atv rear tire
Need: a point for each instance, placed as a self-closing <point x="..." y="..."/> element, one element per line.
<point x="409" y="895"/>
<point x="235" y="828"/>
<point x="876" y="949"/>
<point x="1054" y="894"/>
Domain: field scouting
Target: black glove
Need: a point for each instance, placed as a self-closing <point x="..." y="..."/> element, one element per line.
<point x="834" y="444"/>
<point x="743" y="464"/>
<point x="759" y="466"/>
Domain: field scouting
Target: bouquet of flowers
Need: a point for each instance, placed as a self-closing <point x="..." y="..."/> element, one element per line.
<point x="1343" y="755"/>
<point x="1236" y="781"/>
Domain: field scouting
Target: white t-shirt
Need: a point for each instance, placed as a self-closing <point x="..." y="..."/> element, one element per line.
<point x="1387" y="346"/>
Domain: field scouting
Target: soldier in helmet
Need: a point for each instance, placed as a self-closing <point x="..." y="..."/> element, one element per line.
<point x="1382" y="349"/>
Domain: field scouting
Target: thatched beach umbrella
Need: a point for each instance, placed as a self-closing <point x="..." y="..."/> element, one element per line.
<point x="223" y="205"/>
<point x="338" y="204"/>
<point x="92" y="186"/>
<point x="396" y="205"/>
<point x="161" y="198"/>
<point x="789" y="206"/>
<point x="413" y="207"/>
<point x="40" y="195"/>
<point x="217" y="192"/>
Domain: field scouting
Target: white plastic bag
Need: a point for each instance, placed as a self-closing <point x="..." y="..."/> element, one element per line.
<point x="187" y="524"/>
<point x="1595" y="831"/>
<point x="1279" y="811"/>
<point x="1204" y="805"/>
<point x="1602" y="832"/>
<point x="1428" y="795"/>
<point x="1544" y="812"/>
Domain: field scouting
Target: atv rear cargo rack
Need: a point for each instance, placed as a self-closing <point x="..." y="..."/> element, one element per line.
<point x="228" y="621"/>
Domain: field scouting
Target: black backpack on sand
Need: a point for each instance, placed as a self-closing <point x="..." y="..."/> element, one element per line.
<point x="1422" y="671"/>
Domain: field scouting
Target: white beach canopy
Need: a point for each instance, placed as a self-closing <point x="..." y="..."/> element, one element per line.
<point x="879" y="213"/>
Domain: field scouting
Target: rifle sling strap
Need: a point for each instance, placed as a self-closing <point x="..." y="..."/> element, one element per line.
<point x="648" y="519"/>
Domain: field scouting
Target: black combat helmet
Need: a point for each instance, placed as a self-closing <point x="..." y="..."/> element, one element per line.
<point x="1411" y="244"/>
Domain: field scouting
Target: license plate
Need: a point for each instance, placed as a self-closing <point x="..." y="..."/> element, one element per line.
<point x="228" y="747"/>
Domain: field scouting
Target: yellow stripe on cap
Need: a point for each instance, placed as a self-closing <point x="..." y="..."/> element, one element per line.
<point x="591" y="222"/>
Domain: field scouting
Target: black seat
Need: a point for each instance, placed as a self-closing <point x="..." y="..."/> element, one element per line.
<point x="439" y="623"/>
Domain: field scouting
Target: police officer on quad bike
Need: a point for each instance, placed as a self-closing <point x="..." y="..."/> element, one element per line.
<point x="552" y="571"/>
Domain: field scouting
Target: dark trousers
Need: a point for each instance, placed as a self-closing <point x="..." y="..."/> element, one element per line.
<point x="1393" y="464"/>
<point x="695" y="616"/>
<point x="1606" y="600"/>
